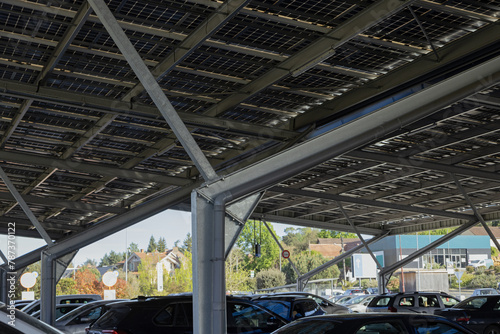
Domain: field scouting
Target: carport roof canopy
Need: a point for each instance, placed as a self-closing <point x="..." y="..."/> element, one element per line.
<point x="84" y="144"/>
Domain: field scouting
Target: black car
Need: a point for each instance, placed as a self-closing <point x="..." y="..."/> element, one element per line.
<point x="478" y="313"/>
<point x="328" y="306"/>
<point x="174" y="315"/>
<point x="373" y="323"/>
<point x="290" y="306"/>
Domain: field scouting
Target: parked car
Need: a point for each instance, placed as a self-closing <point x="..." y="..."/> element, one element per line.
<point x="380" y="323"/>
<point x="411" y="302"/>
<point x="61" y="309"/>
<point x="63" y="299"/>
<point x="359" y="303"/>
<point x="78" y="319"/>
<point x="482" y="263"/>
<point x="484" y="291"/>
<point x="479" y="313"/>
<point x="13" y="321"/>
<point x="290" y="307"/>
<point x="327" y="305"/>
<point x="344" y="299"/>
<point x="358" y="291"/>
<point x="174" y="315"/>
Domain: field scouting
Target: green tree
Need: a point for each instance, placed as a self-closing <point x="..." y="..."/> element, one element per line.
<point x="133" y="248"/>
<point x="89" y="262"/>
<point x="111" y="259"/>
<point x="162" y="245"/>
<point x="147" y="277"/>
<point x="256" y="233"/>
<point x="237" y="278"/>
<point x="181" y="280"/>
<point x="187" y="244"/>
<point x="66" y="286"/>
<point x="152" y="245"/>
<point x="269" y="278"/>
<point x="336" y="234"/>
<point x="299" y="239"/>
<point x="307" y="261"/>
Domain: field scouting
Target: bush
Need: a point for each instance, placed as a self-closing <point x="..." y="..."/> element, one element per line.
<point x="269" y="279"/>
<point x="483" y="281"/>
<point x="469" y="269"/>
<point x="393" y="284"/>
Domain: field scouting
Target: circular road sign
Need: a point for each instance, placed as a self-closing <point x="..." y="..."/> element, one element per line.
<point x="28" y="280"/>
<point x="285" y="254"/>
<point x="109" y="279"/>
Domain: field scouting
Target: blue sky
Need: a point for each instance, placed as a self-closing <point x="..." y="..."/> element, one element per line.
<point x="170" y="224"/>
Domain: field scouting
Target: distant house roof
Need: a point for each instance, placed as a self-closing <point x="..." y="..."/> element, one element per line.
<point x="479" y="230"/>
<point x="327" y="250"/>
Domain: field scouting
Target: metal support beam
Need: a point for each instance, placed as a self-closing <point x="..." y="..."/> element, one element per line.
<point x="281" y="247"/>
<point x="359" y="234"/>
<point x="4" y="286"/>
<point x="48" y="288"/>
<point x="153" y="88"/>
<point x="24" y="206"/>
<point x="476" y="213"/>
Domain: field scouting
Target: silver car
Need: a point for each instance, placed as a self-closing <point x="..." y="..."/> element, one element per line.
<point x="411" y="302"/>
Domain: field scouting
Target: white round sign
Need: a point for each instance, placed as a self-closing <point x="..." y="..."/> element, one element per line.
<point x="28" y="280"/>
<point x="109" y="279"/>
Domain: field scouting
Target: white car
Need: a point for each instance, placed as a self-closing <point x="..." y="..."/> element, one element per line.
<point x="13" y="321"/>
<point x="359" y="303"/>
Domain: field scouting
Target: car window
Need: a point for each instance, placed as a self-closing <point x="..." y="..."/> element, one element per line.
<point x="177" y="315"/>
<point x="449" y="301"/>
<point x="384" y="301"/>
<point x="382" y="328"/>
<point x="87" y="316"/>
<point x="428" y="301"/>
<point x="475" y="303"/>
<point x="496" y="307"/>
<point x="306" y="327"/>
<point x="436" y="328"/>
<point x="279" y="307"/>
<point x="407" y="301"/>
<point x="248" y="317"/>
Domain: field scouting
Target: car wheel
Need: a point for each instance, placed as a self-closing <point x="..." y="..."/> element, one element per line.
<point x="492" y="330"/>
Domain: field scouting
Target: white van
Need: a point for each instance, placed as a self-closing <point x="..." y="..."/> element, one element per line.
<point x="482" y="263"/>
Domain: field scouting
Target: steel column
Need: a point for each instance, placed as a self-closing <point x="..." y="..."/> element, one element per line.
<point x="48" y="288"/>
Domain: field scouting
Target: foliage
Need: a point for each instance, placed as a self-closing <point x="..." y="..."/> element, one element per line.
<point x="187" y="245"/>
<point x="307" y="261"/>
<point x="237" y="278"/>
<point x="111" y="259"/>
<point x="369" y="283"/>
<point x="269" y="278"/>
<point x="88" y="281"/>
<point x="181" y="280"/>
<point x="256" y="232"/>
<point x="393" y="284"/>
<point x="494" y="252"/>
<point x="152" y="245"/>
<point x="483" y="281"/>
<point x="66" y="286"/>
<point x="133" y="248"/>
<point x="147" y="277"/>
<point x="336" y="234"/>
<point x="469" y="269"/>
<point x="162" y="245"/>
<point x="89" y="262"/>
<point x="298" y="239"/>
<point x="441" y="231"/>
